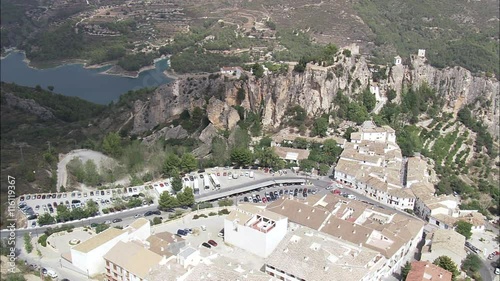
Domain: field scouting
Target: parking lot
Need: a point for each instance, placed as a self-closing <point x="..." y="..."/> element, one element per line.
<point x="34" y="205"/>
<point x="210" y="180"/>
<point x="273" y="193"/>
<point x="213" y="179"/>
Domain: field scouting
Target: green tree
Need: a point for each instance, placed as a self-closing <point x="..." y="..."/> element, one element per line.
<point x="242" y="138"/>
<point x="265" y="142"/>
<point x="171" y="165"/>
<point x="135" y="180"/>
<point x="220" y="153"/>
<point x="156" y="220"/>
<point x="357" y="113"/>
<point x="323" y="169"/>
<point x="167" y="201"/>
<point x="27" y="243"/>
<point x="307" y="165"/>
<point x="101" y="227"/>
<point x="42" y="240"/>
<point x="267" y="157"/>
<point x="369" y="100"/>
<point x="471" y="264"/>
<point x="391" y="95"/>
<point x="176" y="183"/>
<point x="331" y="151"/>
<point x="134" y="202"/>
<point x="348" y="132"/>
<point x="51" y="88"/>
<point x="76" y="168"/>
<point x="258" y="70"/>
<point x="446" y="263"/>
<point x="63" y="213"/>
<point x="241" y="156"/>
<point x="188" y="163"/>
<point x="300" y="143"/>
<point x="92" y="177"/>
<point x="405" y="270"/>
<point x="464" y="228"/>
<point x="320" y="127"/>
<point x="186" y="197"/>
<point x="78" y="213"/>
<point x="45" y="219"/>
<point x="112" y="144"/>
<point x="91" y="208"/>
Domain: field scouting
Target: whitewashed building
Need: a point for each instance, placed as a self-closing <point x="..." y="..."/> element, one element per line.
<point x="255" y="230"/>
<point x="88" y="255"/>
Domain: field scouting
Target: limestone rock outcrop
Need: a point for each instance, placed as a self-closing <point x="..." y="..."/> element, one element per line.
<point x="314" y="90"/>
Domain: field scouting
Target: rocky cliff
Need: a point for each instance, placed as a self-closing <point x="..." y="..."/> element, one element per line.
<point x="314" y="90"/>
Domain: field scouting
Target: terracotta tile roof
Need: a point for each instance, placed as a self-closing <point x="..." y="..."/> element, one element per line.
<point x="298" y="212"/>
<point x="426" y="271"/>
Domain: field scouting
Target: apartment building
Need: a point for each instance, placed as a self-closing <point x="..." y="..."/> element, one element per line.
<point x="254" y="229"/>
<point x="88" y="255"/>
<point x="392" y="235"/>
<point x="307" y="254"/>
<point x="130" y="261"/>
<point x="444" y="242"/>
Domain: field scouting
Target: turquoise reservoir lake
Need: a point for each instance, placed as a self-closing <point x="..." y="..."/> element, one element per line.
<point x="75" y="80"/>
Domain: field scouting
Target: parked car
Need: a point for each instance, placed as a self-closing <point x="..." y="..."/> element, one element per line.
<point x="206" y="245"/>
<point x="117" y="220"/>
<point x="148" y="213"/>
<point x="245" y="199"/>
<point x="221" y="233"/>
<point x="212" y="242"/>
<point x="181" y="232"/>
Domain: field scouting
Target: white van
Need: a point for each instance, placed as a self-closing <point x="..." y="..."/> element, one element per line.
<point x="350" y="196"/>
<point x="51" y="273"/>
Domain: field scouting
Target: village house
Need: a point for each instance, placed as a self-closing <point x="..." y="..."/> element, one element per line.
<point x="235" y="71"/>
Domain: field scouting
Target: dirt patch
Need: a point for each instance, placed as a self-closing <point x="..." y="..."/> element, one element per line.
<point x="84" y="155"/>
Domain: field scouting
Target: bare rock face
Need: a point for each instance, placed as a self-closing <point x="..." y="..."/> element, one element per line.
<point x="456" y="85"/>
<point x="176" y="133"/>
<point x="208" y="134"/>
<point x="28" y="105"/>
<point x="314" y="90"/>
<point x="166" y="134"/>
<point x="221" y="115"/>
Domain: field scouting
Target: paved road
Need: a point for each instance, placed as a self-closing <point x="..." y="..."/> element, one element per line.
<point x="486" y="271"/>
<point x="88" y="221"/>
